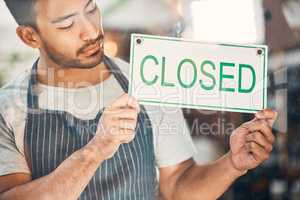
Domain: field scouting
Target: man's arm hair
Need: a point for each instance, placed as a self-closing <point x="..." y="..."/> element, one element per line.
<point x="188" y="180"/>
<point x="67" y="181"/>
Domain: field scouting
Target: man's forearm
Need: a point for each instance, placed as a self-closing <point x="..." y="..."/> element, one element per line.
<point x="67" y="181"/>
<point x="207" y="182"/>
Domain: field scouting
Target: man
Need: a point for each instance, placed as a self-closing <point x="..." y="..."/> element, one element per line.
<point x="73" y="132"/>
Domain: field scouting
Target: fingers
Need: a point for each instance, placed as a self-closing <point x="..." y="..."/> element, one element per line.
<point x="269" y="115"/>
<point x="258" y="152"/>
<point x="127" y="124"/>
<point x="262" y="127"/>
<point x="258" y="138"/>
<point x="125" y="101"/>
<point x="124" y="114"/>
<point x="112" y="127"/>
<point x="117" y="125"/>
<point x="122" y="135"/>
<point x="126" y="135"/>
<point x="119" y="128"/>
<point x="119" y="120"/>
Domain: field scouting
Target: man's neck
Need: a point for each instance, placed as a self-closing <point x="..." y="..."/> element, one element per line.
<point x="71" y="77"/>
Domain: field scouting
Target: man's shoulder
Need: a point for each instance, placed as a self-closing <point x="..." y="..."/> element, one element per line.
<point x="14" y="87"/>
<point x="13" y="95"/>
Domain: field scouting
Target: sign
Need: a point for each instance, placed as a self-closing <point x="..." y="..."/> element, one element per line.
<point x="189" y="74"/>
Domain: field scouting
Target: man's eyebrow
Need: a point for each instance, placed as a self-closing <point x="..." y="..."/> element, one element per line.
<point x="59" y="19"/>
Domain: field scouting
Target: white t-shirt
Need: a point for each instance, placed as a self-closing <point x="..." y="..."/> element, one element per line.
<point x="172" y="141"/>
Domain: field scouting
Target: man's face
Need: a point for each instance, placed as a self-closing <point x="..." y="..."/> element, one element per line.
<point x="71" y="32"/>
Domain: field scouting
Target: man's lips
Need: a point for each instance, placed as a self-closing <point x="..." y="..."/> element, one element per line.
<point x="90" y="50"/>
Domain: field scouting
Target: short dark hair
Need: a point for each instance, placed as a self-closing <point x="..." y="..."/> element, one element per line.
<point x="23" y="11"/>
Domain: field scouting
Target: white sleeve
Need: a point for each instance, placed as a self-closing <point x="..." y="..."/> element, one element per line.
<point x="11" y="160"/>
<point x="173" y="143"/>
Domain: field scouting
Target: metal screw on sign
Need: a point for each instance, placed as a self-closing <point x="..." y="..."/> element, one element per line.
<point x="139" y="41"/>
<point x="260" y="52"/>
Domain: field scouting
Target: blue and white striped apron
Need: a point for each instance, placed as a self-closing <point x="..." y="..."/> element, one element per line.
<point x="52" y="136"/>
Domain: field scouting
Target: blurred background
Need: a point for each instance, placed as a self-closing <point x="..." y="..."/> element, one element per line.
<point x="275" y="23"/>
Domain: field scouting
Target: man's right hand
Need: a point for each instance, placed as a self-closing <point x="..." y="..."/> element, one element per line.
<point x="117" y="125"/>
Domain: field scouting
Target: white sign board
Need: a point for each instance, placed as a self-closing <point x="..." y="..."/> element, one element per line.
<point x="190" y="74"/>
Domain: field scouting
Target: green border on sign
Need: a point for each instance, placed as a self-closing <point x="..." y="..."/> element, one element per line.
<point x="197" y="106"/>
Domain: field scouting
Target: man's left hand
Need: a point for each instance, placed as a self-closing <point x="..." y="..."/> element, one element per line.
<point x="252" y="143"/>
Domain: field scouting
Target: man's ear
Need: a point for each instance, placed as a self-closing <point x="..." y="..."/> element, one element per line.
<point x="29" y="36"/>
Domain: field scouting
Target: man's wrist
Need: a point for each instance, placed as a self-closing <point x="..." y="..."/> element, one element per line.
<point x="232" y="167"/>
<point x="92" y="151"/>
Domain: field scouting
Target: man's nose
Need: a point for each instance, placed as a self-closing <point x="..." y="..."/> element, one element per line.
<point x="88" y="31"/>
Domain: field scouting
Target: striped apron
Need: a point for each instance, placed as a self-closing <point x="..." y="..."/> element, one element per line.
<point x="52" y="136"/>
